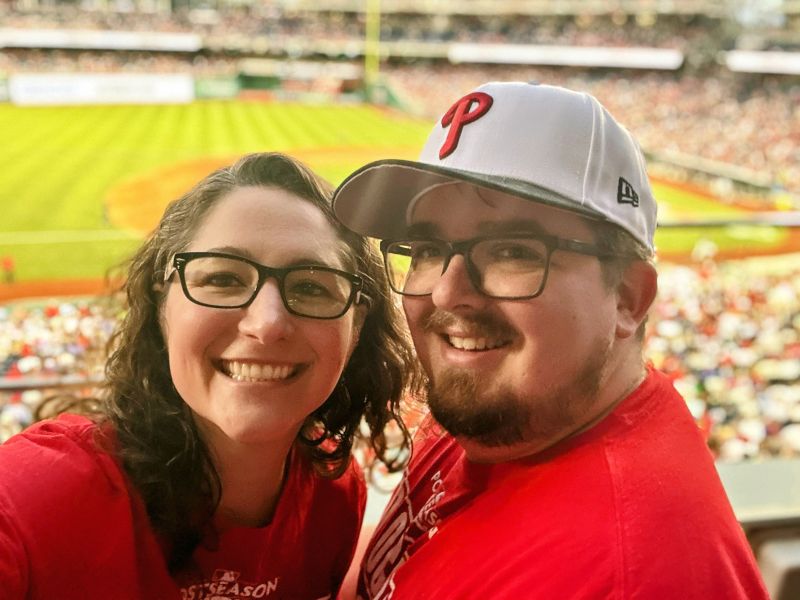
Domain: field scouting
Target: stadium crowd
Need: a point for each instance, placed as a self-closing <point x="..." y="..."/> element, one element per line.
<point x="267" y="19"/>
<point x="584" y="30"/>
<point x="39" y="60"/>
<point x="748" y="122"/>
<point x="728" y="333"/>
<point x="729" y="120"/>
<point x="753" y="125"/>
<point x="44" y="346"/>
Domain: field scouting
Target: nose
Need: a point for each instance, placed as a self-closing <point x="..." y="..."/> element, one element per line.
<point x="455" y="289"/>
<point x="266" y="318"/>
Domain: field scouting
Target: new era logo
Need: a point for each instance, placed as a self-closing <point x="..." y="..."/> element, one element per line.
<point x="626" y="194"/>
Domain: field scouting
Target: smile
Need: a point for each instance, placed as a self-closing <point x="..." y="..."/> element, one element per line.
<point x="470" y="343"/>
<point x="251" y="371"/>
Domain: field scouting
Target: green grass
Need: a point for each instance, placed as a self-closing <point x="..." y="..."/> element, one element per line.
<point x="727" y="238"/>
<point x="681" y="204"/>
<point x="677" y="203"/>
<point x="61" y="162"/>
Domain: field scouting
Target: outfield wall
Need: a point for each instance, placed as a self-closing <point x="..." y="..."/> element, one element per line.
<point x="68" y="89"/>
<point x="49" y="89"/>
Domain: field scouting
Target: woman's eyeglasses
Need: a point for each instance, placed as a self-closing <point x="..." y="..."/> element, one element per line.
<point x="220" y="280"/>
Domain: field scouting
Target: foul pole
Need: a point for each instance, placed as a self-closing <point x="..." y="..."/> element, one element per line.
<point x="372" y="42"/>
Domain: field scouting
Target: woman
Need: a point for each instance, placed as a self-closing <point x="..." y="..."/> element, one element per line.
<point x="259" y="334"/>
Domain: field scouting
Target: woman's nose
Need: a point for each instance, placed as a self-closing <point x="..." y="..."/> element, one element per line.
<point x="266" y="318"/>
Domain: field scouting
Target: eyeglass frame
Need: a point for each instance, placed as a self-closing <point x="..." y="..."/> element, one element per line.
<point x="464" y="247"/>
<point x="181" y="259"/>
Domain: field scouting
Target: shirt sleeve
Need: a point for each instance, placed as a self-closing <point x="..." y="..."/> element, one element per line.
<point x="55" y="496"/>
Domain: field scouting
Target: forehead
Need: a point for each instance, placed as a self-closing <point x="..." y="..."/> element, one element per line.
<point x="462" y="210"/>
<point x="272" y="226"/>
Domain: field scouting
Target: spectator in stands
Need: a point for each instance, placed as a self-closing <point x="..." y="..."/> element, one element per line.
<point x="693" y="114"/>
<point x="521" y="242"/>
<point x="729" y="336"/>
<point x="259" y="333"/>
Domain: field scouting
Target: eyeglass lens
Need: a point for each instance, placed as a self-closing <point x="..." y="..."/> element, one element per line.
<point x="506" y="267"/>
<point x="227" y="282"/>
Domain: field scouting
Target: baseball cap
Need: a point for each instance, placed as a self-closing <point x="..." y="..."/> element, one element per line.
<point x="543" y="143"/>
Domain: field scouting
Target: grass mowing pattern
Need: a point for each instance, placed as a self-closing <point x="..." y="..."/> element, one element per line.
<point x="676" y="203"/>
<point x="62" y="162"/>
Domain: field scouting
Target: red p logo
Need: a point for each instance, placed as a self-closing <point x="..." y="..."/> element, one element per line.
<point x="461" y="114"/>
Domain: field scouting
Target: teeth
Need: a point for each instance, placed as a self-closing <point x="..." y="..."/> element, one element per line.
<point x="464" y="343"/>
<point x="242" y="371"/>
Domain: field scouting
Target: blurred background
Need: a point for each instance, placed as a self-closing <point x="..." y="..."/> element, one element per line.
<point x="111" y="108"/>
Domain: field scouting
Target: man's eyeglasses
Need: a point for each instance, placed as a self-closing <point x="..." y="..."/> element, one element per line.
<point x="220" y="280"/>
<point x="508" y="267"/>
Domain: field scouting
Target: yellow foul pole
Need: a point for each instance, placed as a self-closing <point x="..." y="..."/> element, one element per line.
<point x="372" y="43"/>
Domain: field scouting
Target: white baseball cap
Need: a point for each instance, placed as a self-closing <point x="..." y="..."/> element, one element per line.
<point x="539" y="142"/>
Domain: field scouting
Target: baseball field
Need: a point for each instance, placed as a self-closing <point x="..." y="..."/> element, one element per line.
<point x="80" y="186"/>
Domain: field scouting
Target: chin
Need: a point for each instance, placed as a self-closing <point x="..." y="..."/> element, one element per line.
<point x="254" y="431"/>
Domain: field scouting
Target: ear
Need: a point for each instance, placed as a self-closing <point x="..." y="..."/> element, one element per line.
<point x="635" y="294"/>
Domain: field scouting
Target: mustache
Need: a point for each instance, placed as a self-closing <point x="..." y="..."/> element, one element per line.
<point x="479" y="324"/>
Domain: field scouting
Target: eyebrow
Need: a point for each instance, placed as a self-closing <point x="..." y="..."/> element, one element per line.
<point x="423" y="230"/>
<point x="303" y="260"/>
<point x="430" y="230"/>
<point x="233" y="250"/>
<point x="513" y="226"/>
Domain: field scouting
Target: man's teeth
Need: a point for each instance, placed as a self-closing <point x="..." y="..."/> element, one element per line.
<point x="465" y="343"/>
<point x="242" y="371"/>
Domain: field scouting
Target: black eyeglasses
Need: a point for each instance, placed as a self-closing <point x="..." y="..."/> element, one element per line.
<point x="220" y="280"/>
<point x="507" y="267"/>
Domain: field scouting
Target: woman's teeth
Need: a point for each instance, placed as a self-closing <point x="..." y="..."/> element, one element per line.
<point x="244" y="371"/>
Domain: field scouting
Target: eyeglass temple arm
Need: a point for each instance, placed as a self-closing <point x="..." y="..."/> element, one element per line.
<point x="580" y="247"/>
<point x="362" y="298"/>
<point x="171" y="268"/>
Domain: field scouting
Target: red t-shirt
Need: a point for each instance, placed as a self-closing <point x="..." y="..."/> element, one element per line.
<point x="632" y="508"/>
<point x="71" y="528"/>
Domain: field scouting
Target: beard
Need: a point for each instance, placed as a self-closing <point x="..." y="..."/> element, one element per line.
<point x="470" y="405"/>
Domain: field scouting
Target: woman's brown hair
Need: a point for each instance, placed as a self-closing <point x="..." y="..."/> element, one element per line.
<point x="157" y="440"/>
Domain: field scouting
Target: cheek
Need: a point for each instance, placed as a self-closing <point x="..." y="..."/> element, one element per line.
<point x="331" y="342"/>
<point x="416" y="310"/>
<point x="344" y="340"/>
<point x="176" y="320"/>
<point x="167" y="318"/>
<point x="188" y="331"/>
<point x="566" y="330"/>
<point x="175" y="337"/>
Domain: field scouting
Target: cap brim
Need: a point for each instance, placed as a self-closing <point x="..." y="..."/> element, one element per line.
<point x="374" y="199"/>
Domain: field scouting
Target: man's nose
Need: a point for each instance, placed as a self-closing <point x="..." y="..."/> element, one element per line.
<point x="455" y="287"/>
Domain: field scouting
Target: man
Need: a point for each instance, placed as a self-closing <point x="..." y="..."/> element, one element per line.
<point x="521" y="242"/>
